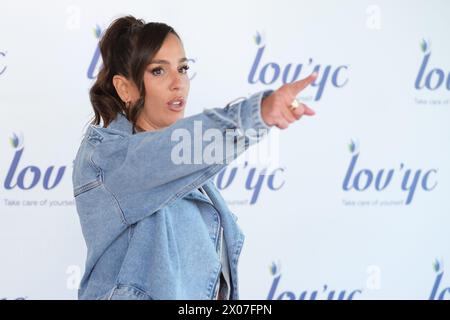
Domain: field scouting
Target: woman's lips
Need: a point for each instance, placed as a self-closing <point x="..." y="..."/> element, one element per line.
<point x="176" y="107"/>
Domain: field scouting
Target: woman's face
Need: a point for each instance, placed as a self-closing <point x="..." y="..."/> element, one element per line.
<point x="166" y="83"/>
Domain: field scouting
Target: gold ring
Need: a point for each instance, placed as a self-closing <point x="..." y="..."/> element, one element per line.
<point x="295" y="104"/>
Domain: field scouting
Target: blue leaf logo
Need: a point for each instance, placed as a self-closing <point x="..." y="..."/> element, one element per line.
<point x="97" y="31"/>
<point x="353" y="147"/>
<point x="437" y="266"/>
<point x="258" y="38"/>
<point x="16" y="141"/>
<point x="425" y="46"/>
<point x="275" y="269"/>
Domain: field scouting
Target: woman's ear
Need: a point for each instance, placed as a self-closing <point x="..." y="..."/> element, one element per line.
<point x="123" y="88"/>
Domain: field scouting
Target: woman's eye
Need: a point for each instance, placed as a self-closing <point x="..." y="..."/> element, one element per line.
<point x="184" y="69"/>
<point x="158" y="71"/>
<point x="154" y="71"/>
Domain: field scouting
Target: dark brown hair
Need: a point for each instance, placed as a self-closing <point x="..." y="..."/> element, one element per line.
<point x="127" y="47"/>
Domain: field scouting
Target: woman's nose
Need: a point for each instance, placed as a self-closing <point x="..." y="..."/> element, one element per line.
<point x="178" y="81"/>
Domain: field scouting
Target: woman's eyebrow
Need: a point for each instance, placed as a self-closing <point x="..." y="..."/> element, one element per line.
<point x="167" y="62"/>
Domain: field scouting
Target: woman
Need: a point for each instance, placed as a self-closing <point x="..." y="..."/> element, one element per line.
<point x="155" y="228"/>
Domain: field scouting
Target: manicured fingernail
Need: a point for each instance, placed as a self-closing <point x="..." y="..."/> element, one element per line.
<point x="314" y="74"/>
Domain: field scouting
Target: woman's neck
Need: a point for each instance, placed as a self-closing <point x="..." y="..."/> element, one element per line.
<point x="143" y="124"/>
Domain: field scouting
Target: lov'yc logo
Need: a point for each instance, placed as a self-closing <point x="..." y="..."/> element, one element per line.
<point x="437" y="292"/>
<point x="406" y="179"/>
<point x="430" y="77"/>
<point x="325" y="292"/>
<point x="27" y="177"/>
<point x="270" y="72"/>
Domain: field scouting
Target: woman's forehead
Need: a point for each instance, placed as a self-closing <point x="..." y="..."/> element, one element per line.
<point x="171" y="47"/>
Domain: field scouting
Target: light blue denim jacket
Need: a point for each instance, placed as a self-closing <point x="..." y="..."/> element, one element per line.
<point x="150" y="233"/>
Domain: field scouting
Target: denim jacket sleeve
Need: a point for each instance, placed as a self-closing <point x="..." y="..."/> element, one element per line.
<point x="139" y="170"/>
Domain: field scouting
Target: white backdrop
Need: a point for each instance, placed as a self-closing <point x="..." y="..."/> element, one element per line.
<point x="325" y="221"/>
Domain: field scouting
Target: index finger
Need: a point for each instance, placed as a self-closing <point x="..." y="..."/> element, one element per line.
<point x="302" y="84"/>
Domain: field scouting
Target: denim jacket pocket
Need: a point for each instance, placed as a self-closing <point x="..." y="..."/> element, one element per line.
<point x="127" y="292"/>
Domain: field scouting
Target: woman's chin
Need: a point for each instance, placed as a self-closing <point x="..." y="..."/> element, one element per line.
<point x="175" y="119"/>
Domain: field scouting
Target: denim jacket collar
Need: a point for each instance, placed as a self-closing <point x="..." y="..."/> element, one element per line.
<point x="122" y="124"/>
